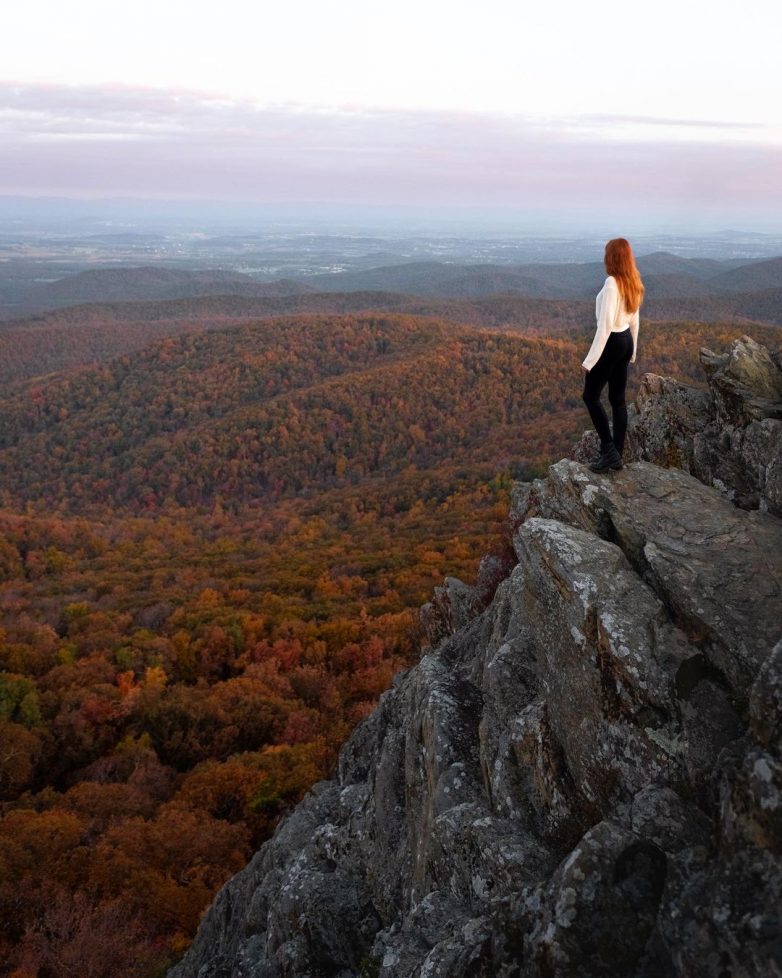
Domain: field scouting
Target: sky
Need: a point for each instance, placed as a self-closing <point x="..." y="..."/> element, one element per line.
<point x="661" y="112"/>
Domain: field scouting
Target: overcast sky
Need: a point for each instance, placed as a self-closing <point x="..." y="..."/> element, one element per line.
<point x="670" y="108"/>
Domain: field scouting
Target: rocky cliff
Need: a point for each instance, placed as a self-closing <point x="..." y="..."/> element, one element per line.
<point x="583" y="774"/>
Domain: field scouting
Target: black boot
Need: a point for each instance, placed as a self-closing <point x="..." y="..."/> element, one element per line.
<point x="595" y="459"/>
<point x="609" y="458"/>
<point x="601" y="451"/>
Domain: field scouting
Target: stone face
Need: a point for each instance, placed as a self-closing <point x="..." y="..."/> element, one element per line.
<point x="746" y="383"/>
<point x="452" y="606"/>
<point x="596" y="913"/>
<point x="456" y="603"/>
<point x="607" y="658"/>
<point x="716" y="567"/>
<point x="583" y="774"/>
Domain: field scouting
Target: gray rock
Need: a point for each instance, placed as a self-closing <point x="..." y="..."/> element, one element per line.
<point x="715" y="567"/>
<point x="452" y="606"/>
<point x="765" y="704"/>
<point x="596" y="913"/>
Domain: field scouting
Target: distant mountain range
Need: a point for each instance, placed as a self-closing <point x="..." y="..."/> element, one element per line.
<point x="666" y="276"/>
<point x="75" y="335"/>
<point x="153" y="282"/>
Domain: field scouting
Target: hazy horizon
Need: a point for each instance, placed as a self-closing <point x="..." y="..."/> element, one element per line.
<point x="61" y="212"/>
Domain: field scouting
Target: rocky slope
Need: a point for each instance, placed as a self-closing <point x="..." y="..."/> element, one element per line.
<point x="583" y="774"/>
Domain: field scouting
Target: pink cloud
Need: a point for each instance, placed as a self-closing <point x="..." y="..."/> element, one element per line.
<point x="135" y="141"/>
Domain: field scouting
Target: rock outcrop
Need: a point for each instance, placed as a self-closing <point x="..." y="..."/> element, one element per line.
<point x="583" y="774"/>
<point x="728" y="435"/>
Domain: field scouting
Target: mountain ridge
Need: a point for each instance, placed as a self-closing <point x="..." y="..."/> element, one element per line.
<point x="79" y="334"/>
<point x="666" y="275"/>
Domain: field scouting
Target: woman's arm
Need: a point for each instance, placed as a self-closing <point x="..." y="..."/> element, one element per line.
<point x="634" y="330"/>
<point x="605" y="321"/>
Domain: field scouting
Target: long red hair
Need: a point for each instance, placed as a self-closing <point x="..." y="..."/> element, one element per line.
<point x="620" y="262"/>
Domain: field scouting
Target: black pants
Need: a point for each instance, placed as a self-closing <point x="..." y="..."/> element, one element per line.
<point x="610" y="368"/>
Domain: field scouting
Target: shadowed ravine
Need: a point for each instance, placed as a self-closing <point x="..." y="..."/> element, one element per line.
<point x="583" y="774"/>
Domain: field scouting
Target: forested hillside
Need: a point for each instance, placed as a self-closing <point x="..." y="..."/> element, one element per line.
<point x="96" y="332"/>
<point x="255" y="413"/>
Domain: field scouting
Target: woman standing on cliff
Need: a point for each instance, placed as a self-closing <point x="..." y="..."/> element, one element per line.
<point x="617" y="309"/>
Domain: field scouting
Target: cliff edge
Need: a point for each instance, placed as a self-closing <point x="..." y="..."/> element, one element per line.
<point x="583" y="774"/>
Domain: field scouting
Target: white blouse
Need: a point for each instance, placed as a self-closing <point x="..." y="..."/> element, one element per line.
<point x="611" y="318"/>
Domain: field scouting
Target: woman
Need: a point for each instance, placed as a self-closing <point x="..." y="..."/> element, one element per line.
<point x="617" y="309"/>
